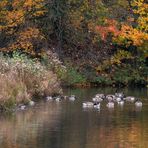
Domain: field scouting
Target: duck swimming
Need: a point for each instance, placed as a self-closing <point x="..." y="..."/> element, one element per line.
<point x="138" y="103"/>
<point x="130" y="99"/>
<point x="97" y="99"/>
<point x="120" y="95"/>
<point x="100" y="96"/>
<point x="58" y="99"/>
<point x="118" y="99"/>
<point x="23" y="107"/>
<point x="110" y="98"/>
<point x="48" y="98"/>
<point x="87" y="104"/>
<point x="97" y="105"/>
<point x="72" y="98"/>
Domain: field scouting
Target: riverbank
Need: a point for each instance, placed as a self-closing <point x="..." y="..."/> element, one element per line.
<point x="123" y="75"/>
<point x="23" y="79"/>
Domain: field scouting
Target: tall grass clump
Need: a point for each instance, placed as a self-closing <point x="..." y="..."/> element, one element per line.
<point x="52" y="62"/>
<point x="23" y="78"/>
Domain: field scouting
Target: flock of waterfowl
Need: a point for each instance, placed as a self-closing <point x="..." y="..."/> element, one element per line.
<point x="110" y="100"/>
<point x="60" y="98"/>
<point x="48" y="98"/>
<point x="118" y="98"/>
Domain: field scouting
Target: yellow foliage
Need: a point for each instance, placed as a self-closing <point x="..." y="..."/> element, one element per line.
<point x="14" y="18"/>
<point x="138" y="35"/>
<point x="25" y="40"/>
<point x="87" y="11"/>
<point x="141" y="8"/>
<point x="131" y="35"/>
<point x="16" y="23"/>
<point x="121" y="54"/>
<point x="37" y="5"/>
<point x="19" y="11"/>
<point x="116" y="59"/>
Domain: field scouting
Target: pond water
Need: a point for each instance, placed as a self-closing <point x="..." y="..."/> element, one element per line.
<point x="67" y="125"/>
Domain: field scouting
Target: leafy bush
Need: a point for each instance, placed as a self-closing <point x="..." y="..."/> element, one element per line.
<point x="73" y="77"/>
<point x="102" y="80"/>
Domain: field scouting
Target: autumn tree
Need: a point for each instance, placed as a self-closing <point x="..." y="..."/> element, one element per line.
<point x="18" y="25"/>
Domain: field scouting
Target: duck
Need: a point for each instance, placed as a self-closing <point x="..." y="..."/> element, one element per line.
<point x="130" y="98"/>
<point x="110" y="104"/>
<point x="72" y="98"/>
<point x="97" y="105"/>
<point x="118" y="99"/>
<point x="87" y="104"/>
<point x="100" y="96"/>
<point x="23" y="107"/>
<point x="138" y="103"/>
<point x="65" y="97"/>
<point x="110" y="98"/>
<point x="48" y="98"/>
<point x="58" y="99"/>
<point x="110" y="95"/>
<point x="97" y="99"/>
<point x="120" y="95"/>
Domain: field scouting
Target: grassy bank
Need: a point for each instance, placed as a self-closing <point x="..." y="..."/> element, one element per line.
<point x="23" y="79"/>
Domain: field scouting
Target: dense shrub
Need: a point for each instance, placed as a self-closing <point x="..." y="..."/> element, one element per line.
<point x="73" y="77"/>
<point x="22" y="78"/>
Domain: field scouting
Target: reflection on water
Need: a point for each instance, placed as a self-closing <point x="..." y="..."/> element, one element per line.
<point x="67" y="125"/>
<point x="24" y="128"/>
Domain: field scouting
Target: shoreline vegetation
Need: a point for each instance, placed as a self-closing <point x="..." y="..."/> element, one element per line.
<point x="23" y="79"/>
<point x="47" y="45"/>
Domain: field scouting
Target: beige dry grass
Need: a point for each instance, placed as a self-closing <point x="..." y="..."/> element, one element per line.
<point x="21" y="80"/>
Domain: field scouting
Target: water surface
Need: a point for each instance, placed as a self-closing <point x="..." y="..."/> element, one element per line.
<point x="67" y="125"/>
